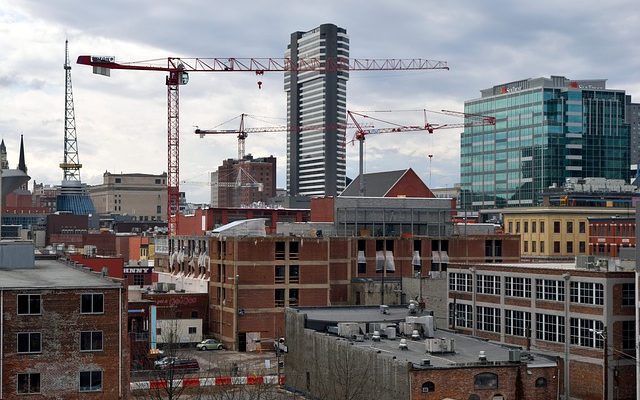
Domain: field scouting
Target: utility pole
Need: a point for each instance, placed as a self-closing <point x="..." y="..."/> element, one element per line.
<point x="605" y="378"/>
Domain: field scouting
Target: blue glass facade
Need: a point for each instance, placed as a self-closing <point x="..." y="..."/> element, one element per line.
<point x="547" y="129"/>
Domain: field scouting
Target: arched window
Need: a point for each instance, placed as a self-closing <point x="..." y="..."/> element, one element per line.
<point x="541" y="382"/>
<point x="428" y="387"/>
<point x="486" y="380"/>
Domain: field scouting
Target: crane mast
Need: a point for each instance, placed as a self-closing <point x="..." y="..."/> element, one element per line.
<point x="178" y="70"/>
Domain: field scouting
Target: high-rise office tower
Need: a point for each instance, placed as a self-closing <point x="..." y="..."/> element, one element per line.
<point x="547" y="130"/>
<point x="316" y="162"/>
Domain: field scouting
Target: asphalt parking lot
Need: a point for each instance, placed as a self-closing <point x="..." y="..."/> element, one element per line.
<point x="223" y="363"/>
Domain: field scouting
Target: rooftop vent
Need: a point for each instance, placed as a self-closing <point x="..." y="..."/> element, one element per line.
<point x="482" y="356"/>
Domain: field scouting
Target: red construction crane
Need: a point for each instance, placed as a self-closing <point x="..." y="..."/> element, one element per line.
<point x="178" y="74"/>
<point x="473" y="120"/>
<point x="243" y="131"/>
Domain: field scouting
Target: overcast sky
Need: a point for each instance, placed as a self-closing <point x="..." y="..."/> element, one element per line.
<point x="121" y="120"/>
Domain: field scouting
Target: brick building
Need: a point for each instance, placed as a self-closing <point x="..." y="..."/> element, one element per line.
<point x="209" y="219"/>
<point x="608" y="235"/>
<point x="63" y="330"/>
<point x="252" y="279"/>
<point x="354" y="363"/>
<point x="243" y="182"/>
<point x="559" y="310"/>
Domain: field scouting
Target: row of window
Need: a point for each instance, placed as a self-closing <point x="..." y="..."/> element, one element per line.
<point x="582" y="226"/>
<point x="31" y="304"/>
<point x="31" y="342"/>
<point x="546" y="289"/>
<point x="29" y="383"/>
<point x="548" y="327"/>
<point x="582" y="246"/>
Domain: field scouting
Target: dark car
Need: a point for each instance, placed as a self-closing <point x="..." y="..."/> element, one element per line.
<point x="181" y="364"/>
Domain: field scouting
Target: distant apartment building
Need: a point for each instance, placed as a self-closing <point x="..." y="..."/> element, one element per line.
<point x="143" y="196"/>
<point x="583" y="313"/>
<point x="547" y="130"/>
<point x="317" y="113"/>
<point x="63" y="331"/>
<point x="244" y="182"/>
<point x="555" y="232"/>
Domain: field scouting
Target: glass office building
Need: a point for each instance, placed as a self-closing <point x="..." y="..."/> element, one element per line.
<point x="547" y="129"/>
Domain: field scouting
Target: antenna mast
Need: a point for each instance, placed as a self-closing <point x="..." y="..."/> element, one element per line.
<point x="71" y="163"/>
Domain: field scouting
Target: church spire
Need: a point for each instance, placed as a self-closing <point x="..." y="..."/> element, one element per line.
<point x="4" y="164"/>
<point x="22" y="166"/>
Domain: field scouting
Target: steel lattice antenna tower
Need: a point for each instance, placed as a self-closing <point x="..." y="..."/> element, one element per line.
<point x="71" y="164"/>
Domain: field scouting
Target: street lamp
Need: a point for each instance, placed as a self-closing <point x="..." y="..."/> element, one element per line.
<point x="605" y="376"/>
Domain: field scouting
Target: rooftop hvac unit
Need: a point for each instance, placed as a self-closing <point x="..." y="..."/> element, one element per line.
<point x="390" y="332"/>
<point x="171" y="286"/>
<point x="439" y="345"/>
<point x="348" y="329"/>
<point x="514" y="355"/>
<point x="90" y="251"/>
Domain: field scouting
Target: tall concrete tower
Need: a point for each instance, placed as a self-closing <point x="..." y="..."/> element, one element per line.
<point x="73" y="194"/>
<point x="316" y="164"/>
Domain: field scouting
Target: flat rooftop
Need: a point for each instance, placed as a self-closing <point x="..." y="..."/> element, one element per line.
<point x="52" y="274"/>
<point x="467" y="348"/>
<point x="561" y="266"/>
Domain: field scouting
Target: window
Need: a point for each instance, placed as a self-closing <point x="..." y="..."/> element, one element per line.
<point x="556" y="246"/>
<point x="533" y="246"/>
<point x="550" y="328"/>
<point x="158" y="331"/>
<point x="118" y="180"/>
<point x="629" y="335"/>
<point x="485" y="380"/>
<point x="587" y="333"/>
<point x="193" y="330"/>
<point x="280" y="251"/>
<point x="541" y="226"/>
<point x="628" y="294"/>
<point x="526" y="246"/>
<point x="461" y="316"/>
<point x="91" y="341"/>
<point x="541" y="382"/>
<point x="542" y="246"/>
<point x="549" y="289"/>
<point x="517" y="323"/>
<point x="29" y="342"/>
<point x="582" y="247"/>
<point x="517" y="287"/>
<point x="569" y="247"/>
<point x="28" y="383"/>
<point x="158" y="209"/>
<point x="428" y="387"/>
<point x="460" y="282"/>
<point x="293" y="297"/>
<point x="488" y="319"/>
<point x="581" y="227"/>
<point x="556" y="226"/>
<point x="294" y="273"/>
<point x="533" y="226"/>
<point x="138" y="279"/>
<point x="526" y="226"/>
<point x="569" y="226"/>
<point x="587" y="293"/>
<point x="488" y="284"/>
<point x="28" y="304"/>
<point x="279" y="297"/>
<point x="92" y="303"/>
<point x="90" y="381"/>
<point x="517" y="226"/>
<point x="279" y="278"/>
<point x="510" y="227"/>
<point x="158" y="181"/>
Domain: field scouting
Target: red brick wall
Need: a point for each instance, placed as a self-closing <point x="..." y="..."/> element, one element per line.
<point x="463" y="379"/>
<point x="114" y="265"/>
<point x="61" y="361"/>
<point x="322" y="209"/>
<point x="410" y="185"/>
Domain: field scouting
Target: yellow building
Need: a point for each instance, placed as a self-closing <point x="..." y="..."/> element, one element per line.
<point x="554" y="232"/>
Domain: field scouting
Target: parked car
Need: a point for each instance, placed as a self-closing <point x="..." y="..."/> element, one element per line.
<point x="162" y="361"/>
<point x="181" y="364"/>
<point x="209" y="344"/>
